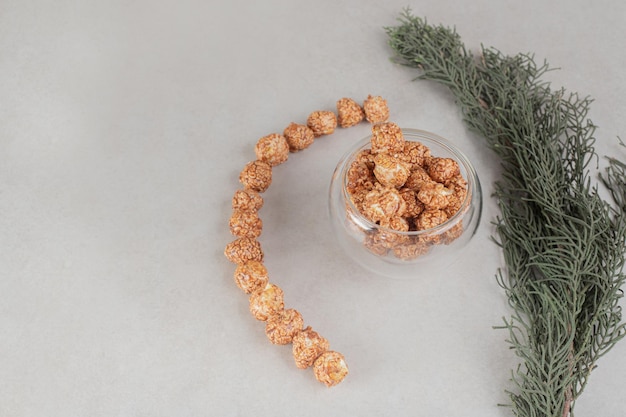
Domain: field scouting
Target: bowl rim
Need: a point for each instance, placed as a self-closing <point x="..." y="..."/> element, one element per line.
<point x="473" y="183"/>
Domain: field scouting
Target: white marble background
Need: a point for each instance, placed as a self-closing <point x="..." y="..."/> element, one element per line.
<point x="123" y="127"/>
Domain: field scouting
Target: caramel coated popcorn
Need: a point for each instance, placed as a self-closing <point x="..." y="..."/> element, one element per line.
<point x="272" y="149"/>
<point x="443" y="169"/>
<point x="382" y="203"/>
<point x="243" y="249"/>
<point x="298" y="136"/>
<point x="307" y="346"/>
<point x="376" y="110"/>
<point x="283" y="326"/>
<point x="330" y="368"/>
<point x="247" y="200"/>
<point x="387" y="138"/>
<point x="322" y="122"/>
<point x="256" y="176"/>
<point x="390" y="171"/>
<point x="402" y="187"/>
<point x="245" y="224"/>
<point x="251" y="276"/>
<point x="266" y="302"/>
<point x="349" y="112"/>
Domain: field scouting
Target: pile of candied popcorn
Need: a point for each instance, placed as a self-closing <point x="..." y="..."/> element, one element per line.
<point x="396" y="184"/>
<point x="400" y="186"/>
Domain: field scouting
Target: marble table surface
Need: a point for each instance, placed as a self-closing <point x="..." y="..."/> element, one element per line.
<point x="123" y="127"/>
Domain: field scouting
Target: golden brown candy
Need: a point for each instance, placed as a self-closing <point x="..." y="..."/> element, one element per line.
<point x="330" y="368"/>
<point x="443" y="169"/>
<point x="390" y="171"/>
<point x="272" y="149"/>
<point x="245" y="224"/>
<point x="307" y="346"/>
<point x="243" y="249"/>
<point x="266" y="302"/>
<point x="322" y="122"/>
<point x="256" y="175"/>
<point x="376" y="110"/>
<point x="283" y="326"/>
<point x="382" y="203"/>
<point x="298" y="136"/>
<point x="251" y="276"/>
<point x="387" y="138"/>
<point x="247" y="200"/>
<point x="349" y="113"/>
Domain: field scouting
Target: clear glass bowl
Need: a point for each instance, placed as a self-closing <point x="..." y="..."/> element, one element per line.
<point x="433" y="248"/>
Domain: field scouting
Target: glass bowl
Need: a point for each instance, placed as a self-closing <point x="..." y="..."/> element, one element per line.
<point x="399" y="254"/>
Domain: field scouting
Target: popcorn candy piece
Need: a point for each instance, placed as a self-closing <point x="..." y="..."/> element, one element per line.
<point x="381" y="203"/>
<point x="283" y="326"/>
<point x="298" y="136"/>
<point x="266" y="302"/>
<point x="330" y="368"/>
<point x="359" y="177"/>
<point x="387" y="138"/>
<point x="430" y="218"/>
<point x="434" y="195"/>
<point x="443" y="169"/>
<point x="376" y="110"/>
<point x="411" y="250"/>
<point x="243" y="249"/>
<point x="256" y="175"/>
<point x="272" y="149"/>
<point x="417" y="178"/>
<point x="251" y="276"/>
<point x="349" y="113"/>
<point x="307" y="346"/>
<point x="390" y="171"/>
<point x="390" y="239"/>
<point x="245" y="224"/>
<point x="247" y="200"/>
<point x="414" y="153"/>
<point x="414" y="207"/>
<point x="322" y="122"/>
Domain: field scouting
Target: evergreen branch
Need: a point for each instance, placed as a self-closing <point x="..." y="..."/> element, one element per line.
<point x="563" y="245"/>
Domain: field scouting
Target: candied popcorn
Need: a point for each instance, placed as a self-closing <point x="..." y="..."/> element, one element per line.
<point x="283" y="326"/>
<point x="247" y="200"/>
<point x="349" y="113"/>
<point x="411" y="250"/>
<point x="381" y="203"/>
<point x="413" y="206"/>
<point x="375" y="244"/>
<point x="390" y="171"/>
<point x="434" y="195"/>
<point x="307" y="346"/>
<point x="376" y="110"/>
<point x="243" y="249"/>
<point x="256" y="175"/>
<point x="430" y="218"/>
<point x="245" y="224"/>
<point x="298" y="136"/>
<point x="455" y="201"/>
<point x="359" y="177"/>
<point x="390" y="239"/>
<point x="417" y="179"/>
<point x="322" y="122"/>
<point x="387" y="138"/>
<point x="443" y="169"/>
<point x="251" y="276"/>
<point x="266" y="302"/>
<point x="414" y="153"/>
<point x="330" y="368"/>
<point x="272" y="149"/>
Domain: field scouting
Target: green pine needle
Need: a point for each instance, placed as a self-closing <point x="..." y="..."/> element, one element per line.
<point x="563" y="245"/>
